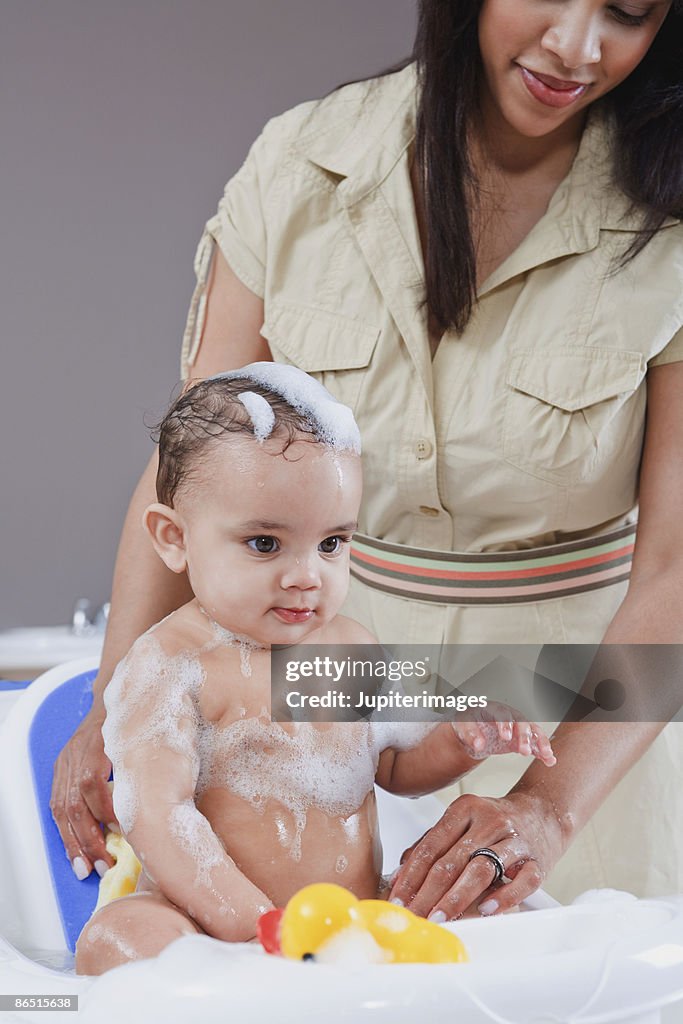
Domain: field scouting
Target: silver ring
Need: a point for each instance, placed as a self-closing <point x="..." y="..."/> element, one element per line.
<point x="495" y="860"/>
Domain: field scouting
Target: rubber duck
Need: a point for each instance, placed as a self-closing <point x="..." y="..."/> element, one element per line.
<point x="328" y="924"/>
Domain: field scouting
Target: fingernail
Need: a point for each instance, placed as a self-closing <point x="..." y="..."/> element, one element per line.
<point x="488" y="907"/>
<point x="437" y="916"/>
<point x="113" y="827"/>
<point x="80" y="868"/>
<point x="101" y="867"/>
<point x="397" y="902"/>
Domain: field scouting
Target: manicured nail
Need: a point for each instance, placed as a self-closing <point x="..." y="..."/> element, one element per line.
<point x="488" y="907"/>
<point x="437" y="916"/>
<point x="397" y="902"/>
<point x="101" y="867"/>
<point x="80" y="868"/>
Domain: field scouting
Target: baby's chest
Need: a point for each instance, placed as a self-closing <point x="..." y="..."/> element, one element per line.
<point x="328" y="766"/>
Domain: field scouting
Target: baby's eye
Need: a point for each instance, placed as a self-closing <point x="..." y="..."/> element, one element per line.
<point x="331" y="545"/>
<point x="264" y="545"/>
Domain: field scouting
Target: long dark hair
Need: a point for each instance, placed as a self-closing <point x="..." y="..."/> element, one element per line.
<point x="648" y="153"/>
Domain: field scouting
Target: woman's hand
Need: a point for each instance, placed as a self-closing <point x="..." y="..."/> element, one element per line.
<point x="81" y="797"/>
<point x="437" y="879"/>
<point x="500" y="729"/>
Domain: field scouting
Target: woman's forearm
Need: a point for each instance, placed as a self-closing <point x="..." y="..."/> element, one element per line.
<point x="143" y="591"/>
<point x="643" y="642"/>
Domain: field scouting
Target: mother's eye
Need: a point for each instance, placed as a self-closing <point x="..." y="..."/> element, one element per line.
<point x="624" y="18"/>
<point x="264" y="545"/>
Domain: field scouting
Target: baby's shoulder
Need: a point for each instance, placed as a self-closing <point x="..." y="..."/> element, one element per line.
<point x="164" y="660"/>
<point x="182" y="630"/>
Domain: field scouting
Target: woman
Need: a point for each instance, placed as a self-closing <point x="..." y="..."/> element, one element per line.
<point x="536" y="184"/>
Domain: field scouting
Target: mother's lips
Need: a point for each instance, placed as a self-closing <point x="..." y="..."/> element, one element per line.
<point x="560" y="84"/>
<point x="550" y="91"/>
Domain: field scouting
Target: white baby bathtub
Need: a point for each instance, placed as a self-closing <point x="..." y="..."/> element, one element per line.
<point x="607" y="958"/>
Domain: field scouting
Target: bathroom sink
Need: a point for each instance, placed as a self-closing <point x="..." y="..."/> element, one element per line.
<point x="29" y="650"/>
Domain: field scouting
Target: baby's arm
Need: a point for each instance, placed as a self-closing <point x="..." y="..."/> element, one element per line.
<point x="452" y="749"/>
<point x="151" y="735"/>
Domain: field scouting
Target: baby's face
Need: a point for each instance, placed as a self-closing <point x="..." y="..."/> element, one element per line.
<point x="267" y="536"/>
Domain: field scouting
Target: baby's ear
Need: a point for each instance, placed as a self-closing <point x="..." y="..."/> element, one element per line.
<point x="165" y="527"/>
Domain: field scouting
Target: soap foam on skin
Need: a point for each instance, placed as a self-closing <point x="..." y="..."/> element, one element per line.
<point x="195" y="835"/>
<point x="226" y="638"/>
<point x="304" y="768"/>
<point x="259" y="761"/>
<point x="399" y="735"/>
<point x="152" y="696"/>
<point x="98" y="933"/>
<point x="334" y="421"/>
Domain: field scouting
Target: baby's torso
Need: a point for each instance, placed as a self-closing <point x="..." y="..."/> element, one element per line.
<point x="292" y="802"/>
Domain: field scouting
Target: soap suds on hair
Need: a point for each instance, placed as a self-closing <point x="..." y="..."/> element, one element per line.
<point x="334" y="421"/>
<point x="260" y="413"/>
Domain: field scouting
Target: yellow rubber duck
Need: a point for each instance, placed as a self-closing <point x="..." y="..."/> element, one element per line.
<point x="326" y="922"/>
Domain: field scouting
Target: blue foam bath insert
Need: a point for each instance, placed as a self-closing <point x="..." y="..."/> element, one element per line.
<point x="54" y="723"/>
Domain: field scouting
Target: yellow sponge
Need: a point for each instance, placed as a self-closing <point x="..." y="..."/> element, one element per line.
<point x="122" y="878"/>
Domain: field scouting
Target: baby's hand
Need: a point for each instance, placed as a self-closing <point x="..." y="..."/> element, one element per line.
<point x="499" y="729"/>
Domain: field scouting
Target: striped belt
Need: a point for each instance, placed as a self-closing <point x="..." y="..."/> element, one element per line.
<point x="499" y="577"/>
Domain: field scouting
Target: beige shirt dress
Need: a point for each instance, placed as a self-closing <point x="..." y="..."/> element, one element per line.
<point x="522" y="433"/>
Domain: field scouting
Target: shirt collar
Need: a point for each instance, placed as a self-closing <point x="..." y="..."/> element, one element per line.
<point x="360" y="132"/>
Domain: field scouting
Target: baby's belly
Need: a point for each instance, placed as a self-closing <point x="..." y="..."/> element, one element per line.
<point x="280" y="851"/>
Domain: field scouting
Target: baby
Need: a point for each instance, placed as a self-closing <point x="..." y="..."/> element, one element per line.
<point x="259" y="486"/>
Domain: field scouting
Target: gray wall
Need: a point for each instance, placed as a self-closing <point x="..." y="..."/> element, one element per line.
<point x="119" y="124"/>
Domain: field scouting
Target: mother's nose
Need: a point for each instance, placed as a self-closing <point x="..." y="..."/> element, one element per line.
<point x="574" y="37"/>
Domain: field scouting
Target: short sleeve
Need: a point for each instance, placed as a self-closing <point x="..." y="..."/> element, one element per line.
<point x="239" y="229"/>
<point x="673" y="353"/>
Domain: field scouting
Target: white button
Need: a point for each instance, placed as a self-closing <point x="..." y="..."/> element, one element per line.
<point x="423" y="448"/>
<point x="427" y="510"/>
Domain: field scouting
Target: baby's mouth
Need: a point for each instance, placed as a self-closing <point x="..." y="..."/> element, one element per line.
<point x="293" y="615"/>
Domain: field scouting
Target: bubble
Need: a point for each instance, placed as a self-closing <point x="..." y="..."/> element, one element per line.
<point x="332" y="770"/>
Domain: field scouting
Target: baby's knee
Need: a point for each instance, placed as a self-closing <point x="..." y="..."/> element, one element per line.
<point x="130" y="928"/>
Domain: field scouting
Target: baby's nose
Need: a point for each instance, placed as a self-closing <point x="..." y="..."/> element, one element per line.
<point x="302" y="573"/>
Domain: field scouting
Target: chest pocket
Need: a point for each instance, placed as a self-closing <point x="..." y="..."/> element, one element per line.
<point x="567" y="409"/>
<point x="334" y="348"/>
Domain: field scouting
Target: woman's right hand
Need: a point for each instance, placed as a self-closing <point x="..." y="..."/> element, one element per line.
<point x="81" y="797"/>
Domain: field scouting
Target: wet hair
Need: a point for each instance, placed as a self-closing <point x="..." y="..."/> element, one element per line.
<point x="647" y="158"/>
<point x="208" y="410"/>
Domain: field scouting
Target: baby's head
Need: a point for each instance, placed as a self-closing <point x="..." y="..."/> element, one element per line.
<point x="258" y="488"/>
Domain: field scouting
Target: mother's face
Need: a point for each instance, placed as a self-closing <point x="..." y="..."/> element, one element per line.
<point x="546" y="60"/>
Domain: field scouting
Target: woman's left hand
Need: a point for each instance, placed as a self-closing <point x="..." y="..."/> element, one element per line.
<point x="437" y="879"/>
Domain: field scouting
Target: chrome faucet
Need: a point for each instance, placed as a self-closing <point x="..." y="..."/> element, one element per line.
<point x="84" y="623"/>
